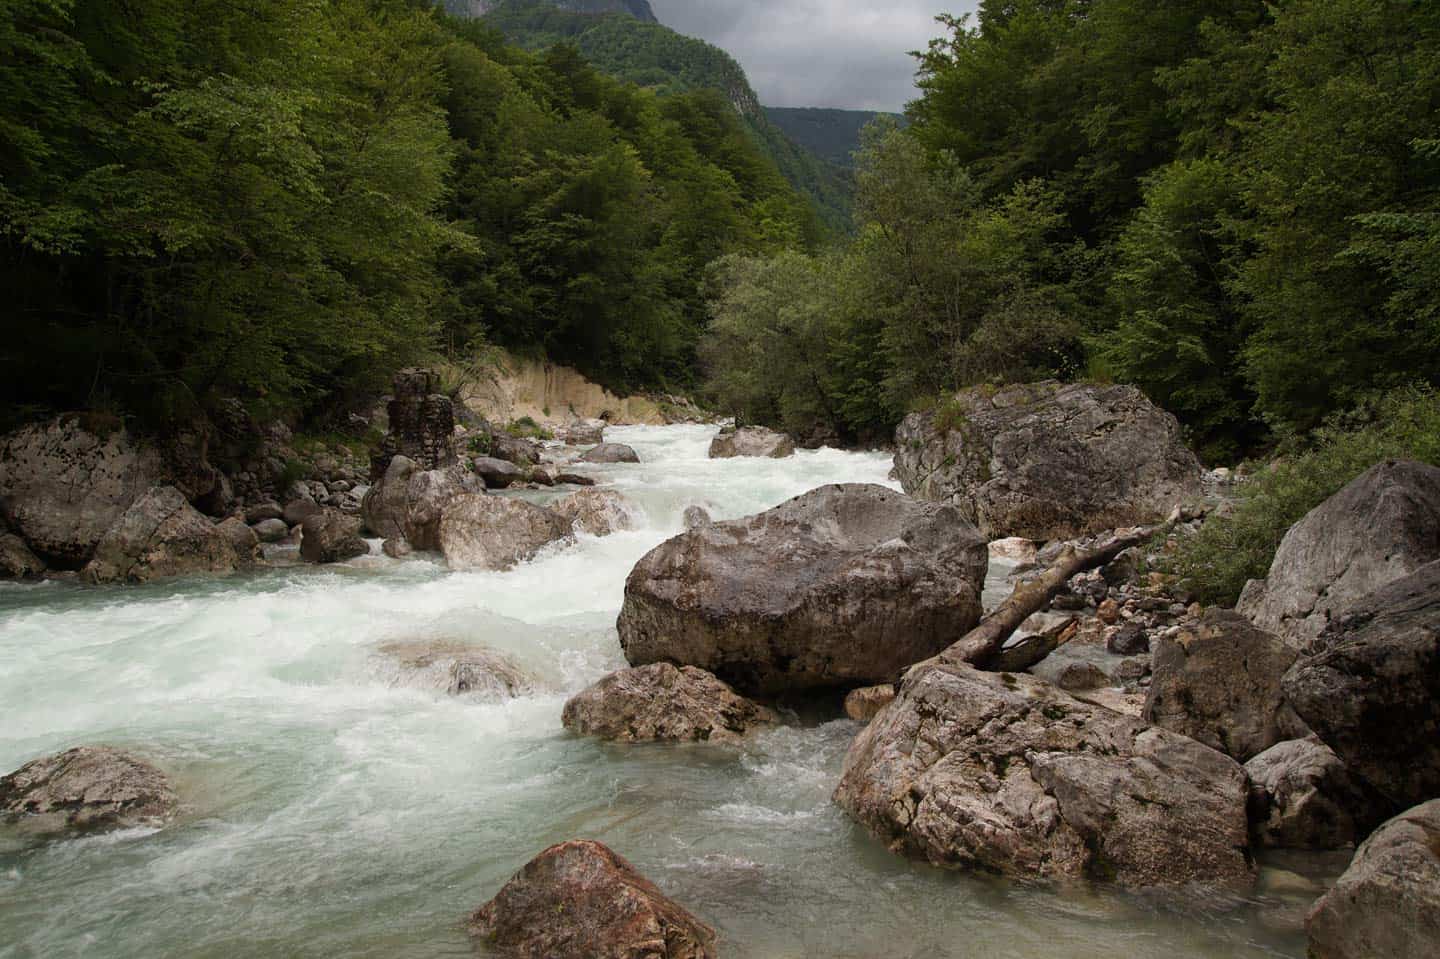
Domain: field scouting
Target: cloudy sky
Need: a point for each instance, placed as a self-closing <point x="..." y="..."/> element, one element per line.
<point x="818" y="53"/>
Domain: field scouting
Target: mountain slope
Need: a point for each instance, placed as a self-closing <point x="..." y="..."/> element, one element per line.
<point x="639" y="9"/>
<point x="832" y="135"/>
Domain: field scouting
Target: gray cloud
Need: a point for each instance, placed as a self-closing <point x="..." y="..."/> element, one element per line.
<point x="818" y="53"/>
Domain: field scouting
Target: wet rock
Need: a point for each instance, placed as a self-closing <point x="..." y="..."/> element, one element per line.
<point x="1388" y="902"/>
<point x="17" y="561"/>
<point x="751" y="441"/>
<point x="1381" y="527"/>
<point x="579" y="900"/>
<point x="1370" y="688"/>
<point x="86" y="788"/>
<point x="409" y="502"/>
<point x="1048" y="460"/>
<point x="610" y="453"/>
<point x="1005" y="773"/>
<point x="242" y="538"/>
<point x="583" y="433"/>
<point x="260" y="512"/>
<point x="271" y="530"/>
<point x="695" y="517"/>
<point x="573" y="479"/>
<point x="300" y="507"/>
<point x="1218" y="681"/>
<point x="66" y="481"/>
<point x="1302" y="797"/>
<point x="496" y="473"/>
<point x="662" y="703"/>
<point x="495" y="532"/>
<point x="540" y="476"/>
<point x="598" y="512"/>
<point x="455" y="669"/>
<point x="330" y="536"/>
<point x="865" y="703"/>
<point x="396" y="547"/>
<point x="160" y="535"/>
<point x="841" y="586"/>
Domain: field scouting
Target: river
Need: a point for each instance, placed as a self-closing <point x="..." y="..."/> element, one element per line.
<point x="329" y="815"/>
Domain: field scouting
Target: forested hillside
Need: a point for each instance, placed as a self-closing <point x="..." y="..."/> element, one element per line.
<point x="658" y="58"/>
<point x="285" y="202"/>
<point x="1234" y="205"/>
<point x="832" y="135"/>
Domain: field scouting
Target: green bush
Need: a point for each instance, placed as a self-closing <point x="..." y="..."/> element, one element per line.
<point x="1230" y="549"/>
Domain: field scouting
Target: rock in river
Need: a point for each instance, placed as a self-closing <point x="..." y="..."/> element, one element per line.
<point x="751" y="441"/>
<point x="495" y="532"/>
<point x="841" y="586"/>
<point x="1048" y="460"/>
<point x="159" y="535"/>
<point x="1004" y="773"/>
<point x="663" y="703"/>
<point x="86" y="788"/>
<point x="579" y="900"/>
<point x="453" y="668"/>
<point x="1303" y="797"/>
<point x="610" y="453"/>
<point x="598" y="512"/>
<point x="330" y="536"/>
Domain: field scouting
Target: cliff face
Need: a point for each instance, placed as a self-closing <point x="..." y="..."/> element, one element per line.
<point x="639" y="9"/>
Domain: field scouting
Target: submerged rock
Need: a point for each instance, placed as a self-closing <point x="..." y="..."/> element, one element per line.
<point x="579" y="900"/>
<point x="1387" y="904"/>
<point x="598" y="512"/>
<point x="610" y="453"/>
<point x="496" y="532"/>
<point x="843" y="585"/>
<point x="1302" y="797"/>
<point x="1370" y="688"/>
<point x="159" y="535"/>
<point x="331" y="537"/>
<point x="1004" y="773"/>
<point x="86" y="788"/>
<point x="1218" y="682"/>
<point x="455" y="669"/>
<point x="663" y="703"/>
<point x="1048" y="460"/>
<point x="1381" y="527"/>
<point x="751" y="441"/>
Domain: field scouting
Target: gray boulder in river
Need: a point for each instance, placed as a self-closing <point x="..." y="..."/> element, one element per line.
<point x="610" y="453"/>
<point x="598" y="512"/>
<point x="1048" y="460"/>
<point x="407" y="502"/>
<point x="1370" y="688"/>
<point x="751" y="441"/>
<point x="663" y="703"/>
<point x="86" y="788"/>
<point x="330" y="536"/>
<point x="1384" y="525"/>
<point x="1303" y="797"/>
<point x="453" y="668"/>
<point x="842" y="586"/>
<point x="1387" y="904"/>
<point x="160" y="535"/>
<point x="579" y="900"/>
<point x="1000" y="772"/>
<point x="495" y="532"/>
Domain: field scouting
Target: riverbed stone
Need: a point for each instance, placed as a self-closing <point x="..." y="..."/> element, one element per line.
<point x="598" y="512"/>
<point x="1048" y="460"/>
<point x="1303" y="797"/>
<point x="454" y="668"/>
<point x="1369" y="687"/>
<point x="160" y="535"/>
<point x="580" y="900"/>
<point x="1387" y="904"/>
<point x="695" y="516"/>
<point x="86" y="788"/>
<point x="260" y="512"/>
<point x="842" y="586"/>
<point x="583" y="433"/>
<point x="17" y="561"/>
<point x="242" y="539"/>
<point x="408" y="502"/>
<point x="494" y="532"/>
<point x="751" y="441"/>
<point x="610" y="453"/>
<point x="299" y="507"/>
<point x="1218" y="681"/>
<point x="497" y="473"/>
<point x="271" y="530"/>
<point x="663" y="703"/>
<point x="330" y="536"/>
<point x="865" y="703"/>
<point x="1004" y="773"/>
<point x="1382" y="526"/>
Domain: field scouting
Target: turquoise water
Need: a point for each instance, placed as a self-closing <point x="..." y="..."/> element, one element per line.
<point x="329" y="815"/>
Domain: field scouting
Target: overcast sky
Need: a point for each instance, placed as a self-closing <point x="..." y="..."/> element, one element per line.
<point x="818" y="53"/>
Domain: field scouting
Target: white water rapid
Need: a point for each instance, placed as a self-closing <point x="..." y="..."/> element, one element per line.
<point x="328" y="815"/>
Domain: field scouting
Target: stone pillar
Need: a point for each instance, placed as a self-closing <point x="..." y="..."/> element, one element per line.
<point x="422" y="424"/>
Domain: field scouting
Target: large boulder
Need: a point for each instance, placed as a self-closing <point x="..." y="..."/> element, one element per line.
<point x="610" y="453"/>
<point x="1370" y="688"/>
<point x="598" y="512"/>
<point x="408" y="502"/>
<point x="751" y="441"/>
<point x="160" y="535"/>
<point x="841" y="586"/>
<point x="584" y="432"/>
<point x="17" y="561"/>
<point x="1382" y="526"/>
<point x="65" y="482"/>
<point x="453" y="668"/>
<point x="1218" y="681"/>
<point x="495" y="532"/>
<point x="1048" y="460"/>
<point x="1387" y="904"/>
<point x="1004" y="773"/>
<point x="579" y="900"/>
<point x="663" y="703"/>
<point x="330" y="536"/>
<point x="1302" y="797"/>
<point x="86" y="788"/>
<point x="243" y="540"/>
<point x="497" y="473"/>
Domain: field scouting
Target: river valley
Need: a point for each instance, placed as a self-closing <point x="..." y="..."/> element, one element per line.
<point x="329" y="814"/>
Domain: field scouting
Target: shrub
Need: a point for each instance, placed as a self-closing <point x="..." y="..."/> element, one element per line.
<point x="1238" y="546"/>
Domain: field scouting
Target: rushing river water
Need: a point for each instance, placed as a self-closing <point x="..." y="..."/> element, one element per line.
<point x="329" y="815"/>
